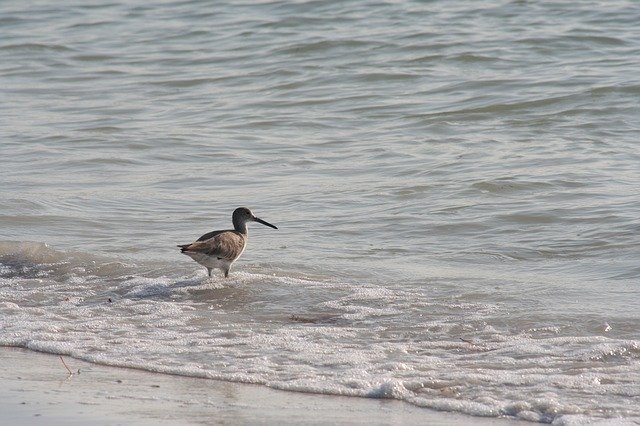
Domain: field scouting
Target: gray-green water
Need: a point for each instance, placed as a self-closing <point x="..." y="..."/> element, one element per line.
<point x="455" y="183"/>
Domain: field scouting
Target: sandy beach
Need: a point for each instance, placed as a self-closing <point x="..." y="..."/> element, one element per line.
<point x="37" y="389"/>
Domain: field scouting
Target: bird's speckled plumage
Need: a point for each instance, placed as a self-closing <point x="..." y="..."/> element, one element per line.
<point x="219" y="249"/>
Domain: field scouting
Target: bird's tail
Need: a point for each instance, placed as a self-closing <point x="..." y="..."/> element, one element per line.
<point x="183" y="247"/>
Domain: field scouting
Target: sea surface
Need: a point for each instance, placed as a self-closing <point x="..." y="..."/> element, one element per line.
<point x="456" y="186"/>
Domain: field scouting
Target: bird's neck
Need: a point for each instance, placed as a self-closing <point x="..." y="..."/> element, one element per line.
<point x="241" y="227"/>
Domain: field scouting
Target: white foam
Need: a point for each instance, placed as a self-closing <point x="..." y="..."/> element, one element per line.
<point x="355" y="339"/>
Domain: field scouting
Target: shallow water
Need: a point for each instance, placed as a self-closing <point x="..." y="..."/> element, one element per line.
<point x="455" y="186"/>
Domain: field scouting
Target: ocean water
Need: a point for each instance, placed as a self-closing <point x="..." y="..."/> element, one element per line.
<point x="456" y="186"/>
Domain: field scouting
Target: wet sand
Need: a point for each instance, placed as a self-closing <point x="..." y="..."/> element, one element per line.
<point x="37" y="390"/>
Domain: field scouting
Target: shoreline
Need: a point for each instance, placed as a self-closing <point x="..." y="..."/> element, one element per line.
<point x="37" y="389"/>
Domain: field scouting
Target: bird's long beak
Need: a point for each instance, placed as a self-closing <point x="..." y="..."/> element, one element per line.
<point x="257" y="219"/>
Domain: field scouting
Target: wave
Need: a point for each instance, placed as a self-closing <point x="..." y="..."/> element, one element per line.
<point x="313" y="334"/>
<point x="29" y="259"/>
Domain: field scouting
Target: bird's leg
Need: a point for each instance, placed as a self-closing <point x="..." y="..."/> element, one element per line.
<point x="226" y="273"/>
<point x="209" y="271"/>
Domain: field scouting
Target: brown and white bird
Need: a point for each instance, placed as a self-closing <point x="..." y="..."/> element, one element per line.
<point x="219" y="249"/>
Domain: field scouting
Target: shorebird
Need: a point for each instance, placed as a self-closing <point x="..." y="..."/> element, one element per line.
<point x="219" y="249"/>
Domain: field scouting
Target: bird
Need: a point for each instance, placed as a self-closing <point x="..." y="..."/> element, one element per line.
<point x="219" y="249"/>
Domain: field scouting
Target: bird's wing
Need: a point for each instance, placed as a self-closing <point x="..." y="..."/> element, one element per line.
<point x="224" y="245"/>
<point x="210" y="235"/>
